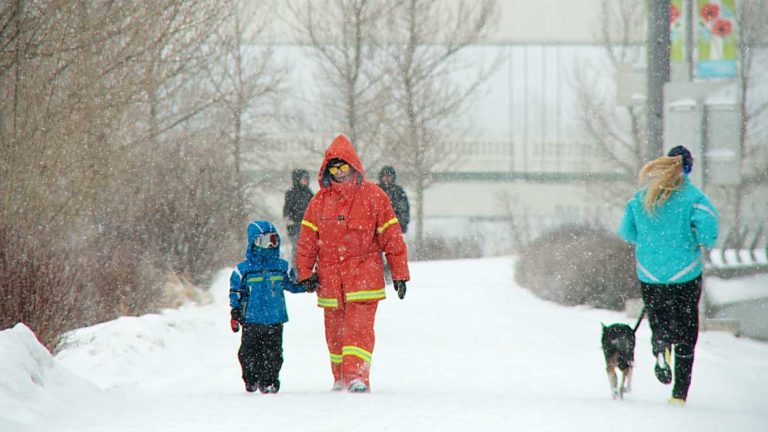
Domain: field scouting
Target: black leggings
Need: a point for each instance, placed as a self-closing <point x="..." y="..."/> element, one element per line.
<point x="261" y="354"/>
<point x="673" y="313"/>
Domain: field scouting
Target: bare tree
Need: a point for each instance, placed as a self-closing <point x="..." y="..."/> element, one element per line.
<point x="615" y="133"/>
<point x="74" y="77"/>
<point x="344" y="37"/>
<point x="54" y="106"/>
<point x="173" y="98"/>
<point x="103" y="152"/>
<point x="246" y="79"/>
<point x="61" y="66"/>
<point x="426" y="38"/>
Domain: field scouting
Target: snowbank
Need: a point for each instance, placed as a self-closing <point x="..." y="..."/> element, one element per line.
<point x="32" y="384"/>
<point x="150" y="341"/>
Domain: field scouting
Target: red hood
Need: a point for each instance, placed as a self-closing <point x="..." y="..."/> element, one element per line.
<point x="341" y="148"/>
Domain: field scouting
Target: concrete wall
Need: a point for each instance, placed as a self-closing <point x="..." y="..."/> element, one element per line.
<point x="520" y="21"/>
<point x="543" y="21"/>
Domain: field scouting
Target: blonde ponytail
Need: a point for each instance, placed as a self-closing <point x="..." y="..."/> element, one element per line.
<point x="660" y="177"/>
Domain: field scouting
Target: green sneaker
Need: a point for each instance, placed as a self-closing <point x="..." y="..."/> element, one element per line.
<point x="676" y="401"/>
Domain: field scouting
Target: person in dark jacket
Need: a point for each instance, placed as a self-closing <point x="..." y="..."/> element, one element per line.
<point x="388" y="182"/>
<point x="258" y="304"/>
<point x="296" y="202"/>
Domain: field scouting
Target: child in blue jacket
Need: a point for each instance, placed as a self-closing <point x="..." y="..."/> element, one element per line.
<point x="258" y="303"/>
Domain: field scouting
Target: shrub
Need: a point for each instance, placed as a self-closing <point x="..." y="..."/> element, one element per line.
<point x="38" y="288"/>
<point x="579" y="264"/>
<point x="169" y="212"/>
<point x="441" y="248"/>
<point x="186" y="219"/>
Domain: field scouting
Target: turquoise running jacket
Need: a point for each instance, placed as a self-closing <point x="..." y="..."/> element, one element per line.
<point x="668" y="242"/>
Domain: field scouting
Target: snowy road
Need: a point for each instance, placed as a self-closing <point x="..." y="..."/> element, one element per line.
<point x="466" y="350"/>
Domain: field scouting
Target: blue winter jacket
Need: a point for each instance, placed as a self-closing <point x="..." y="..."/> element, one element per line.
<point x="257" y="284"/>
<point x="667" y="243"/>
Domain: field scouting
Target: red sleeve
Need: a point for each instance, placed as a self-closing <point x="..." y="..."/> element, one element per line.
<point x="390" y="237"/>
<point x="307" y="246"/>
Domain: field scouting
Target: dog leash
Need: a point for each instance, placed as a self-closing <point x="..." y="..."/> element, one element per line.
<point x="639" y="319"/>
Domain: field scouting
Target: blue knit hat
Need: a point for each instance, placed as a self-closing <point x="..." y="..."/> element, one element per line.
<point x="687" y="158"/>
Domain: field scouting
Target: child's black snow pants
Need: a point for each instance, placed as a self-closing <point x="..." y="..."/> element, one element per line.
<point x="261" y="355"/>
<point x="673" y="314"/>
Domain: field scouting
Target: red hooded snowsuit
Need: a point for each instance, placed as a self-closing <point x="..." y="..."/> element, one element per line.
<point x="345" y="229"/>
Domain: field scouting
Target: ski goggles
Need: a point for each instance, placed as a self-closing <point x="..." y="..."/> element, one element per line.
<point x="338" y="168"/>
<point x="268" y="240"/>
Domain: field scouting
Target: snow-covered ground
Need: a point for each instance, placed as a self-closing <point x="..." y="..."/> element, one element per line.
<point x="467" y="350"/>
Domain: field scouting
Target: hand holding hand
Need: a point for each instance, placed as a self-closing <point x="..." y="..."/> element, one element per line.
<point x="311" y="283"/>
<point x="400" y="288"/>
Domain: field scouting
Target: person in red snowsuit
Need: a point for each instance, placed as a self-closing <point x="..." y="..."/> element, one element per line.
<point x="345" y="229"/>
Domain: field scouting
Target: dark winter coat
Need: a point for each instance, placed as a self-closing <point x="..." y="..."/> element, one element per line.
<point x="257" y="284"/>
<point x="397" y="196"/>
<point x="296" y="202"/>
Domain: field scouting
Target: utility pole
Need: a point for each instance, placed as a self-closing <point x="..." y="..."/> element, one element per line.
<point x="689" y="41"/>
<point x="658" y="75"/>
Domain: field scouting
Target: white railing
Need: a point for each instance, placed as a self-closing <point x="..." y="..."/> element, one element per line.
<point x="477" y="156"/>
<point x="738" y="258"/>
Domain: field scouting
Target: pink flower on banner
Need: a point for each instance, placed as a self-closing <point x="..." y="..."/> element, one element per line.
<point x="674" y="14"/>
<point x="722" y="28"/>
<point x="710" y="12"/>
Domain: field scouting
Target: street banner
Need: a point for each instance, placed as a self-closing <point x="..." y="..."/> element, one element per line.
<point x="677" y="33"/>
<point x="716" y="36"/>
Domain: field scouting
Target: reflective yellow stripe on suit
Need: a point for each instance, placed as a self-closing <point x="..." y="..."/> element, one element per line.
<point x="309" y="225"/>
<point x="366" y="295"/>
<point x="386" y="225"/>
<point x="261" y="278"/>
<point x="327" y="302"/>
<point x="336" y="358"/>
<point x="358" y="352"/>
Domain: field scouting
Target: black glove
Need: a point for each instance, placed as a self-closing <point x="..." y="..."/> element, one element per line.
<point x="400" y="288"/>
<point x="311" y="283"/>
<point x="235" y="317"/>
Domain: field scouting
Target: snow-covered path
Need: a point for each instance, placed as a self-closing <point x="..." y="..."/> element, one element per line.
<point x="466" y="350"/>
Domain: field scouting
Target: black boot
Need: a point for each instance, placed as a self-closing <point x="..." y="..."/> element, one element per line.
<point x="683" y="371"/>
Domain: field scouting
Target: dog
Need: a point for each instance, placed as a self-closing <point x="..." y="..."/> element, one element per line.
<point x="618" y="343"/>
